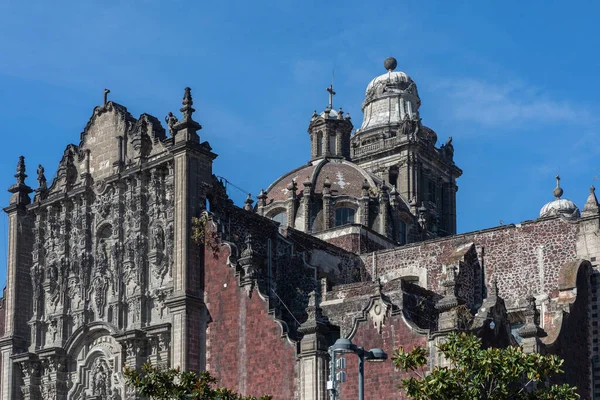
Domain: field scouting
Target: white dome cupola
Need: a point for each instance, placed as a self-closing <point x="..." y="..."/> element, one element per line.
<point x="390" y="99"/>
<point x="561" y="207"/>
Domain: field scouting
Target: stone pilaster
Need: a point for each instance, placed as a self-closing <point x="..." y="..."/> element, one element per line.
<point x="193" y="179"/>
<point x="313" y="357"/>
<point x="291" y="204"/>
<point x="18" y="293"/>
<point x="54" y="374"/>
<point x="364" y="204"/>
<point x="327" y="204"/>
<point x="306" y="202"/>
<point x="159" y="345"/>
<point x="384" y="199"/>
<point x="30" y="368"/>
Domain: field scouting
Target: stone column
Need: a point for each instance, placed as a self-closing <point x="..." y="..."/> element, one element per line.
<point x="384" y="200"/>
<point x="313" y="357"/>
<point x="193" y="177"/>
<point x="327" y="204"/>
<point x="306" y="202"/>
<point x="364" y="204"/>
<point x="18" y="292"/>
<point x="291" y="204"/>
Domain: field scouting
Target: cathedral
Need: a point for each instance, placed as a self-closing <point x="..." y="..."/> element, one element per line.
<point x="134" y="253"/>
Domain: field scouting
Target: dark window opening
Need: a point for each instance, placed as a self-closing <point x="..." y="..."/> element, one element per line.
<point x="344" y="216"/>
<point x="402" y="232"/>
<point x="431" y="191"/>
<point x="281" y="218"/>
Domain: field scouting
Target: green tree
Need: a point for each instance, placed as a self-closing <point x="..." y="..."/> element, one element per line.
<point x="477" y="373"/>
<point x="158" y="384"/>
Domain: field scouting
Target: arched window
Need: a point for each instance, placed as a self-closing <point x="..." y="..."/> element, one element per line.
<point x="402" y="232"/>
<point x="319" y="144"/>
<point x="281" y="218"/>
<point x="332" y="144"/>
<point x="344" y="216"/>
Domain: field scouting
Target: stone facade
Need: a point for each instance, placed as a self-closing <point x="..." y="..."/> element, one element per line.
<point x="104" y="271"/>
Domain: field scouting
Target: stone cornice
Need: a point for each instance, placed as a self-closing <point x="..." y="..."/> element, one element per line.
<point x="179" y="302"/>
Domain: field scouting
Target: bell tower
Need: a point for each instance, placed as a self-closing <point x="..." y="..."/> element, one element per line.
<point x="393" y="144"/>
<point x="330" y="132"/>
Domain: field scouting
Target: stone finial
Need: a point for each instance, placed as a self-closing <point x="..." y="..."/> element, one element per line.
<point x="248" y="250"/>
<point x="187" y="102"/>
<point x="365" y="188"/>
<point x="558" y="192"/>
<point x="262" y="198"/>
<point x="340" y="113"/>
<point x="449" y="300"/>
<point x="314" y="115"/>
<point x="383" y="192"/>
<point x="20" y="190"/>
<point x="249" y="261"/>
<point x="106" y="92"/>
<point x="347" y="117"/>
<point x="315" y="321"/>
<point x="307" y="185"/>
<point x="20" y="175"/>
<point x="292" y="187"/>
<point x="532" y="319"/>
<point x="591" y="205"/>
<point x="187" y="122"/>
<point x="248" y="203"/>
<point x="390" y="64"/>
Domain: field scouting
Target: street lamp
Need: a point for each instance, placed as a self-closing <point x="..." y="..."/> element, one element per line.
<point x="345" y="346"/>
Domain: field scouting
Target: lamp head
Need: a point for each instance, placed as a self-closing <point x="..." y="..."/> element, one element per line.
<point x="376" y="355"/>
<point x="344" y="346"/>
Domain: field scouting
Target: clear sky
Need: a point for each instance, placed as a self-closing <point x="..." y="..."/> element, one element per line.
<point x="514" y="83"/>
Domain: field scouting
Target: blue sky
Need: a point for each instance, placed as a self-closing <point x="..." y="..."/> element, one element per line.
<point x="514" y="83"/>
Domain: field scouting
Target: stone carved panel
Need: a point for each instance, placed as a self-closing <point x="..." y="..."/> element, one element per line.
<point x="103" y="255"/>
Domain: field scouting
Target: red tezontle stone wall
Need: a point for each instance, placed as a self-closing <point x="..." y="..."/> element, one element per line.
<point x="381" y="378"/>
<point x="245" y="350"/>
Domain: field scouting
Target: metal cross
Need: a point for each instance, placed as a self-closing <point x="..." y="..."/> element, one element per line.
<point x="106" y="92"/>
<point x="331" y="94"/>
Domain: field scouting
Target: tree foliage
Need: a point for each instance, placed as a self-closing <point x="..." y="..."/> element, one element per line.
<point x="477" y="373"/>
<point x="157" y="384"/>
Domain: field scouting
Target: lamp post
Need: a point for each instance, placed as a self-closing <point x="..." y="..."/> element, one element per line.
<point x="345" y="346"/>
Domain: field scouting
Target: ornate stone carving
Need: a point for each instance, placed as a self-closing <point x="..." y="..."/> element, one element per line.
<point x="101" y="379"/>
<point x="378" y="313"/>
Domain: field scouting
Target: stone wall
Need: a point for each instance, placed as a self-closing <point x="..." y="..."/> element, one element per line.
<point x="246" y="350"/>
<point x="381" y="379"/>
<point x="524" y="257"/>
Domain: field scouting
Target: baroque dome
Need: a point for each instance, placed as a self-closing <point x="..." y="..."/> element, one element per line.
<point x="561" y="207"/>
<point x="390" y="99"/>
<point x="392" y="78"/>
<point x="345" y="177"/>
